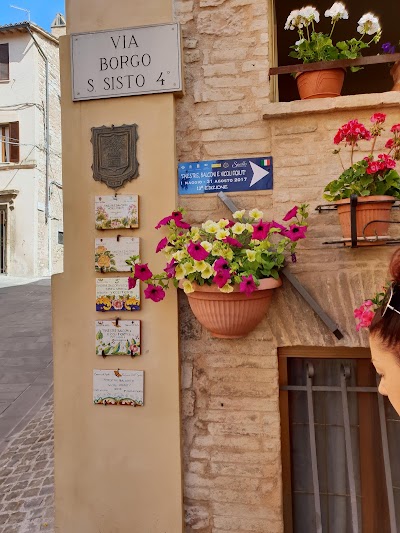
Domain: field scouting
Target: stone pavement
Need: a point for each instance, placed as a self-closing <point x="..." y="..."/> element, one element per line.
<point x="26" y="407"/>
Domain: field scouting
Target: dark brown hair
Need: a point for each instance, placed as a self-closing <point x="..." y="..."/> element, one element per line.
<point x="388" y="326"/>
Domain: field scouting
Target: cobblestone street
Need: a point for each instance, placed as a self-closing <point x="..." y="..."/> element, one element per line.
<point x="26" y="407"/>
<point x="26" y="477"/>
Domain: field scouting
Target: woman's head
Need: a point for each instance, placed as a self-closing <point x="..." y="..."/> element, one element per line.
<point x="385" y="338"/>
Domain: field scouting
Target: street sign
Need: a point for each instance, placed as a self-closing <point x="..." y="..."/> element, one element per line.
<point x="126" y="62"/>
<point x="226" y="175"/>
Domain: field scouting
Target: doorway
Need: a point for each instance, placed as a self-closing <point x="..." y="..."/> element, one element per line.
<point x="3" y="239"/>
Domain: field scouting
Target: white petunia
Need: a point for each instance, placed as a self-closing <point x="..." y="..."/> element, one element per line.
<point x="368" y="24"/>
<point x="309" y="14"/>
<point x="293" y="21"/>
<point x="337" y="11"/>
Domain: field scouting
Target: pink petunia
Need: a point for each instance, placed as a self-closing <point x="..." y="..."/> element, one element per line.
<point x="261" y="230"/>
<point x="220" y="264"/>
<point x="162" y="244"/>
<point x="295" y="232"/>
<point x="230" y="224"/>
<point x="142" y="272"/>
<point x="155" y="293"/>
<point x="247" y="285"/>
<point x="233" y="242"/>
<point x="196" y="251"/>
<point x="291" y="214"/>
<point x="176" y="215"/>
<point x="182" y="224"/>
<point x="378" y="118"/>
<point x="221" y="278"/>
<point x="170" y="269"/>
<point x="132" y="283"/>
<point x="276" y="225"/>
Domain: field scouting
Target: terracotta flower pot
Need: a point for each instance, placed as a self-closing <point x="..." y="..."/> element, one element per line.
<point x="369" y="208"/>
<point x="232" y="315"/>
<point x="395" y="72"/>
<point x="320" y="83"/>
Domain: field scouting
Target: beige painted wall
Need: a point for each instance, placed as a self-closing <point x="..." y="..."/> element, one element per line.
<point x="116" y="469"/>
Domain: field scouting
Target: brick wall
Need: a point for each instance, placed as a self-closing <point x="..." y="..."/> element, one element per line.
<point x="231" y="421"/>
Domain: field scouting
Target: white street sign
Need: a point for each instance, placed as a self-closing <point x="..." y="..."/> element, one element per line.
<point x="126" y="62"/>
<point x="258" y="173"/>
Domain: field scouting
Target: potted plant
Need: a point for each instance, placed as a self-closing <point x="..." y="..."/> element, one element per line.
<point x="227" y="268"/>
<point x="373" y="179"/>
<point x="314" y="47"/>
<point x="388" y="48"/>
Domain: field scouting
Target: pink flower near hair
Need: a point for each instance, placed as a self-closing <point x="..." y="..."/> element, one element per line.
<point x="291" y="214"/>
<point x="247" y="285"/>
<point x="155" y="293"/>
<point x="142" y="272"/>
<point x="162" y="244"/>
<point x="364" y="314"/>
<point x="196" y="251"/>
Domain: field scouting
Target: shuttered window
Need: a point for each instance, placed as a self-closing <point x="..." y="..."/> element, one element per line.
<point x="9" y="143"/>
<point x="4" y="62"/>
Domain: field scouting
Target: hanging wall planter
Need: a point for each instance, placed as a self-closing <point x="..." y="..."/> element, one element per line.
<point x="320" y="83"/>
<point x="368" y="210"/>
<point x="232" y="315"/>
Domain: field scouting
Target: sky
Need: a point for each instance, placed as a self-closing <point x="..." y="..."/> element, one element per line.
<point x="42" y="11"/>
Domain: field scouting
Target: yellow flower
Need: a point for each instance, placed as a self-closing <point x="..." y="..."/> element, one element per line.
<point x="256" y="214"/>
<point x="200" y="266"/>
<point x="238" y="228"/>
<point x="195" y="235"/>
<point x="249" y="228"/>
<point x="210" y="226"/>
<point x="207" y="272"/>
<point x="168" y="252"/>
<point x="217" y="248"/>
<point x="238" y="215"/>
<point x="179" y="272"/>
<point x="104" y="261"/>
<point x="226" y="288"/>
<point x="223" y="223"/>
<point x="227" y="254"/>
<point x="187" y="286"/>
<point x="221" y="234"/>
<point x="207" y="246"/>
<point x="189" y="268"/>
<point x="100" y="250"/>
<point x="179" y="255"/>
<point x="251" y="255"/>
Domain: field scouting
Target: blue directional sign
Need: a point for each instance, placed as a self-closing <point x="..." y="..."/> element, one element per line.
<point x="226" y="175"/>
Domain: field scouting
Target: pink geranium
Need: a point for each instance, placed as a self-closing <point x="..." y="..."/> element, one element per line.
<point x="155" y="293"/>
<point x="352" y="132"/>
<point x="364" y="314"/>
<point x="378" y="117"/>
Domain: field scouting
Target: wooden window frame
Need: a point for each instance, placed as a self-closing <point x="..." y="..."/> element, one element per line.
<point x="9" y="138"/>
<point x="4" y="62"/>
<point x="369" y="475"/>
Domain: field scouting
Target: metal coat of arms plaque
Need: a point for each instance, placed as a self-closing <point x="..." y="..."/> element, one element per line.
<point x="114" y="154"/>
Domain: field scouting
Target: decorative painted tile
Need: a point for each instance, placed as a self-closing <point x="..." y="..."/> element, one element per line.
<point x="118" y="387"/>
<point x="118" y="337"/>
<point x="110" y="254"/>
<point x="117" y="212"/>
<point x="112" y="294"/>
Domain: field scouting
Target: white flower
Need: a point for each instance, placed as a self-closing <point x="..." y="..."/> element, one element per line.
<point x="293" y="21"/>
<point x="227" y="288"/>
<point x="256" y="214"/>
<point x="251" y="255"/>
<point x="222" y="234"/>
<point x="207" y="246"/>
<point x="309" y="14"/>
<point x="187" y="286"/>
<point x="210" y="226"/>
<point x="238" y="228"/>
<point x="337" y="11"/>
<point x="368" y="24"/>
<point x="238" y="215"/>
<point x="299" y="42"/>
<point x="207" y="272"/>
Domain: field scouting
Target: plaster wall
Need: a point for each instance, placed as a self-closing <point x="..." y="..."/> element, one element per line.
<point x="116" y="469"/>
<point x="231" y="419"/>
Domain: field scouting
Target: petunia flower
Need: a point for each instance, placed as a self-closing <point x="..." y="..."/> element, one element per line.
<point x="388" y="48"/>
<point x="221" y="264"/>
<point x="164" y="221"/>
<point x="291" y="214"/>
<point x="247" y="285"/>
<point x="132" y="283"/>
<point x="196" y="251"/>
<point x="187" y="286"/>
<point x="260" y="230"/>
<point x="182" y="224"/>
<point x="295" y="232"/>
<point x="154" y="292"/>
<point x="221" y="277"/>
<point x="170" y="269"/>
<point x="233" y="242"/>
<point x="162" y="244"/>
<point x="276" y="225"/>
<point x="142" y="272"/>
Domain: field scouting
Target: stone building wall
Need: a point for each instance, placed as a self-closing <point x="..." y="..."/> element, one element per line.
<point x="230" y="391"/>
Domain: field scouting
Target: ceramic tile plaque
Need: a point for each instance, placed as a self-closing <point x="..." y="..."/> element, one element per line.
<point x="112" y="294"/>
<point x="117" y="212"/>
<point x="118" y="337"/>
<point x="110" y="254"/>
<point x="118" y="387"/>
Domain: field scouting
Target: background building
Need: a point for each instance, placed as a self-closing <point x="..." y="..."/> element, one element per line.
<point x="31" y="227"/>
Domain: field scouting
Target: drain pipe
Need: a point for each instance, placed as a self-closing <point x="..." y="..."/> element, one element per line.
<point x="49" y="227"/>
<point x="47" y="145"/>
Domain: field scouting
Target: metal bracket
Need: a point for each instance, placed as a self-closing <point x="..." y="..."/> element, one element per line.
<point x="329" y="323"/>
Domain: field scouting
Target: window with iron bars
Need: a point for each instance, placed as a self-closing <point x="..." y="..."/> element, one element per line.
<point x="341" y="466"/>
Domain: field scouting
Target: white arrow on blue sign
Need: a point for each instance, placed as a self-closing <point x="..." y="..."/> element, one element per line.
<point x="226" y="175"/>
